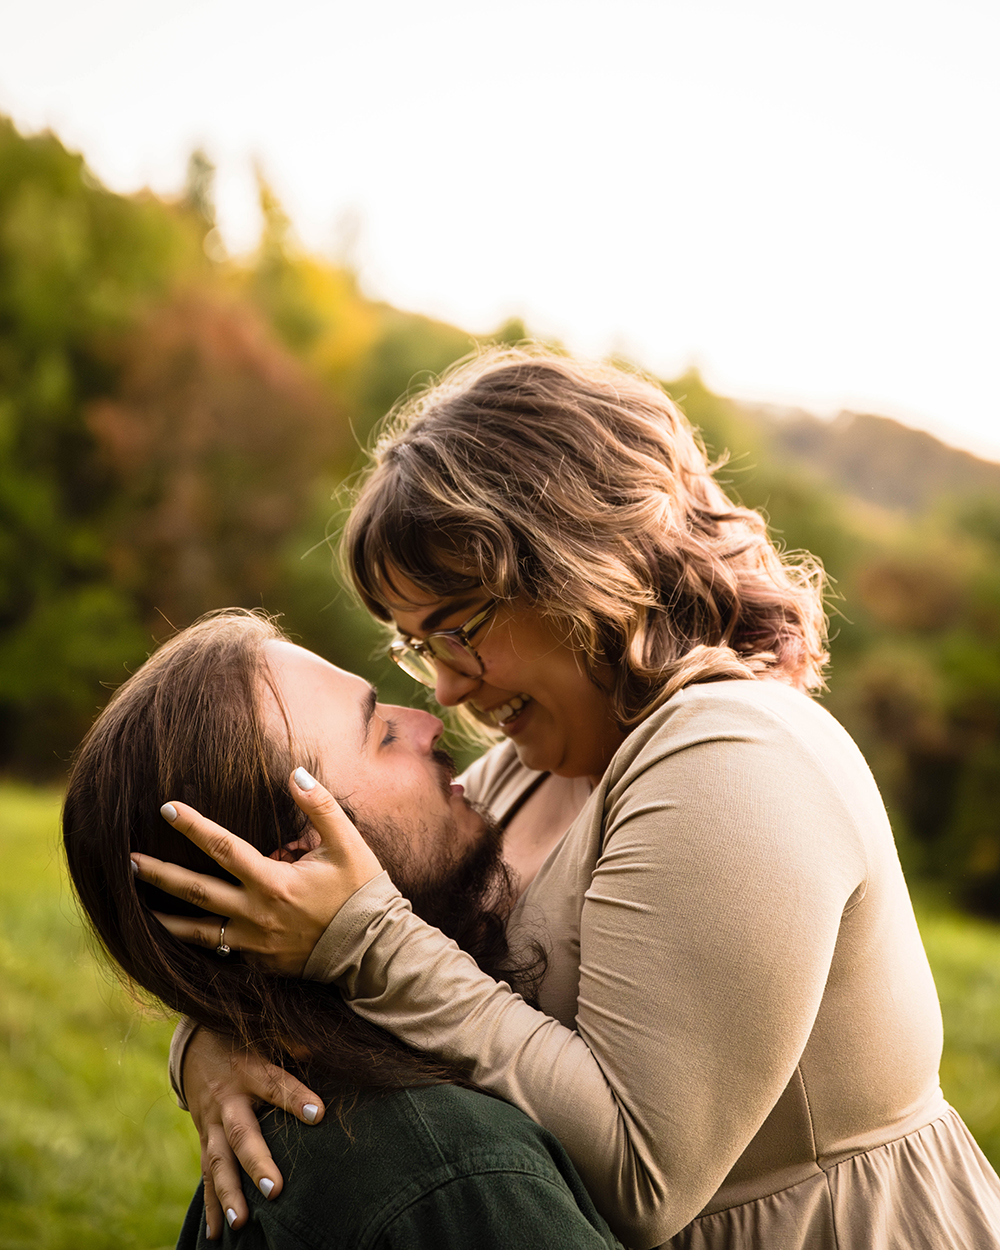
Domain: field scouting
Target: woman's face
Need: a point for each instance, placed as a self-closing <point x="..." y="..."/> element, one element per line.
<point x="534" y="687"/>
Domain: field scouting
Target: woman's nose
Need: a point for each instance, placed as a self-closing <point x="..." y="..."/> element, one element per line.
<point x="452" y="688"/>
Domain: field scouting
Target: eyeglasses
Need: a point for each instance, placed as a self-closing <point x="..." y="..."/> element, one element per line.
<point x="450" y="647"/>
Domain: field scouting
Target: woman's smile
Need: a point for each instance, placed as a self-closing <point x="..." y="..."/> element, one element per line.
<point x="507" y="716"/>
<point x="534" y="687"/>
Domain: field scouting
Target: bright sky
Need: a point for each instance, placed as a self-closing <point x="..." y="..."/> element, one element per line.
<point x="803" y="199"/>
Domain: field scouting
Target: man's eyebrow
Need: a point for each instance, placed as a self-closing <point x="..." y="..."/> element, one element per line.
<point x="367" y="712"/>
<point x="433" y="619"/>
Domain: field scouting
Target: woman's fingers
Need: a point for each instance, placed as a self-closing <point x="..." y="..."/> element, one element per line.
<point x="246" y="1141"/>
<point x="241" y="1140"/>
<point x="222" y="1172"/>
<point x="203" y="931"/>
<point x="208" y="893"/>
<point x="230" y="852"/>
<point x="223" y="1083"/>
<point x="268" y="1083"/>
<point x="282" y="908"/>
<point x="340" y="840"/>
<point x="213" y="1208"/>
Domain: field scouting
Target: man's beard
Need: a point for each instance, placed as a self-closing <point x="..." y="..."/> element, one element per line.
<point x="456" y="885"/>
<point x="467" y="893"/>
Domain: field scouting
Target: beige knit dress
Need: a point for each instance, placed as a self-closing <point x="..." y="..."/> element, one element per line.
<point x="739" y="1036"/>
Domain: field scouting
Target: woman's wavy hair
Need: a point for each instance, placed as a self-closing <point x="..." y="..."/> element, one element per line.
<point x="583" y="491"/>
<point x="187" y="725"/>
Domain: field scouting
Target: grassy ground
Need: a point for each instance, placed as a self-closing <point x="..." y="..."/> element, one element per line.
<point x="93" y="1153"/>
<point x="965" y="956"/>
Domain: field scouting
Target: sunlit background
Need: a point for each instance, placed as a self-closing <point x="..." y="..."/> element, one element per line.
<point x="802" y="199"/>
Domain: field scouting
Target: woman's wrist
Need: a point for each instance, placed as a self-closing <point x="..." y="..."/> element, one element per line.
<point x="338" y="945"/>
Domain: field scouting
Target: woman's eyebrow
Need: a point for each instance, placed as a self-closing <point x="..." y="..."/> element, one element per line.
<point x="367" y="712"/>
<point x="433" y="619"/>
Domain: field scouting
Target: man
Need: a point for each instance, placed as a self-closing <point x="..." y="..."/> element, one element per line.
<point x="437" y="1164"/>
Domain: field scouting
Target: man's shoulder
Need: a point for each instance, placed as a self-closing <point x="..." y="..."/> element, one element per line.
<point x="438" y="1131"/>
<point x="500" y="1178"/>
<point x="467" y="1125"/>
<point x="413" y="1166"/>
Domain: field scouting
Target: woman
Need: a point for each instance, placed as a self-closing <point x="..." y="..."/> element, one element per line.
<point x="738" y="1034"/>
<point x="414" y="1154"/>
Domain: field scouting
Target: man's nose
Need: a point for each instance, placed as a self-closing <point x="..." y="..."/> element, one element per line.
<point x="423" y="728"/>
<point x="452" y="688"/>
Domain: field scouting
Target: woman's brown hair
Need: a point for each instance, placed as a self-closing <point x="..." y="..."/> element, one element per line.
<point x="583" y="491"/>
<point x="187" y="725"/>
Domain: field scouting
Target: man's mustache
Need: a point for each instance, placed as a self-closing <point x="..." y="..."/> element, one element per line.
<point x="446" y="767"/>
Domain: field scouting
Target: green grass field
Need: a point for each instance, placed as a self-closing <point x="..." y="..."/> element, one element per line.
<point x="93" y="1152"/>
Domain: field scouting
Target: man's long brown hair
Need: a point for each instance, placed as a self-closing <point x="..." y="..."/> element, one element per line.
<point x="187" y="726"/>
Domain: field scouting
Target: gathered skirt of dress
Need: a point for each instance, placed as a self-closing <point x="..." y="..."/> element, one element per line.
<point x="930" y="1190"/>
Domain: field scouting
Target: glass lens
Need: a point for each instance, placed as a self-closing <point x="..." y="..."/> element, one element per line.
<point x="415" y="665"/>
<point x="456" y="654"/>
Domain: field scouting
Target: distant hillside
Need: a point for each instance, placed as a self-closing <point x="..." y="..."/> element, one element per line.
<point x="879" y="460"/>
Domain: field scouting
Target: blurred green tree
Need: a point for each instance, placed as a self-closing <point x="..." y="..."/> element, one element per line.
<point x="199" y="187"/>
<point x="75" y="264"/>
<point x="157" y="443"/>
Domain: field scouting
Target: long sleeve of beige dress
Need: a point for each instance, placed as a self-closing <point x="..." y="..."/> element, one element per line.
<point x="739" y="1036"/>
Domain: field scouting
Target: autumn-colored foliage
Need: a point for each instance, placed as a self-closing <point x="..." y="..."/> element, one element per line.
<point x="211" y="437"/>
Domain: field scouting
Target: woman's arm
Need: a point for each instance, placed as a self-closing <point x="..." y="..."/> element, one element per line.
<point x="726" y="859"/>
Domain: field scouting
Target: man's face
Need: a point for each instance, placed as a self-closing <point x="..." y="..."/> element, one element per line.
<point x="378" y="760"/>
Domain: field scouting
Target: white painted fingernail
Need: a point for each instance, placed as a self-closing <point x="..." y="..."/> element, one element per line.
<point x="168" y="812"/>
<point x="135" y="866"/>
<point x="231" y="1217"/>
<point x="310" y="1111"/>
<point x="304" y="780"/>
<point x="208" y="1230"/>
<point x="266" y="1186"/>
